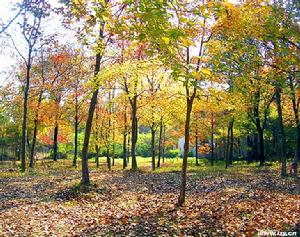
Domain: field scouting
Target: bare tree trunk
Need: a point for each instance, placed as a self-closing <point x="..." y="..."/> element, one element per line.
<point x="113" y="146"/>
<point x="196" y="143"/>
<point x="134" y="134"/>
<point x="160" y="142"/>
<point x="75" y="139"/>
<point x="55" y="141"/>
<point x="124" y="141"/>
<point x="108" y="141"/>
<point x="76" y="123"/>
<point x="164" y="142"/>
<point x="212" y="140"/>
<point x="239" y="147"/>
<point x="25" y="108"/>
<point x="227" y="148"/>
<point x="261" y="146"/>
<point x="108" y="158"/>
<point x="97" y="155"/>
<point x="35" y="129"/>
<point x="189" y="106"/>
<point x="295" y="104"/>
<point x="128" y="147"/>
<point x="231" y="143"/>
<point x="153" y="145"/>
<point x="281" y="131"/>
<point x="85" y="169"/>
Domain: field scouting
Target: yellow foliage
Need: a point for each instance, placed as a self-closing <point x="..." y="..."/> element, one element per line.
<point x="166" y="40"/>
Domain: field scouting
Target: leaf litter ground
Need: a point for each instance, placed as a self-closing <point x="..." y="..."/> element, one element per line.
<point x="123" y="203"/>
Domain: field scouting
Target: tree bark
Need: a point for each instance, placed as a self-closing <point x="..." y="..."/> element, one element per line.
<point x="128" y="147"/>
<point x="35" y="129"/>
<point x="231" y="142"/>
<point x="260" y="132"/>
<point x="55" y="141"/>
<point x="212" y="140"/>
<point x="164" y="143"/>
<point x="160" y="142"/>
<point x="108" y="139"/>
<point x="85" y="169"/>
<point x="97" y="155"/>
<point x="108" y="158"/>
<point x="76" y="123"/>
<point x="281" y="133"/>
<point x="189" y="106"/>
<point x="124" y="141"/>
<point x="25" y="108"/>
<point x="153" y="145"/>
<point x="261" y="146"/>
<point x="113" y="146"/>
<point x="134" y="135"/>
<point x="295" y="105"/>
<point x="75" y="139"/>
<point x="227" y="147"/>
<point x="196" y="144"/>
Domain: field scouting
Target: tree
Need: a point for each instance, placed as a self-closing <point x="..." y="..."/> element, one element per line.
<point x="34" y="13"/>
<point x="103" y="16"/>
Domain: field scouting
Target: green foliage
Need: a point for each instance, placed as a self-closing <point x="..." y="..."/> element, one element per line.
<point x="143" y="145"/>
<point x="173" y="153"/>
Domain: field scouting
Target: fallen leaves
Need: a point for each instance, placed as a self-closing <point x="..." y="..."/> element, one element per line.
<point x="143" y="204"/>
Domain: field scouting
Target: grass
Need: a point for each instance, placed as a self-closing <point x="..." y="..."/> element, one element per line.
<point x="49" y="167"/>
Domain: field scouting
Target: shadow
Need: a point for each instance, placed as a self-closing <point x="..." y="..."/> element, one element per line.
<point x="76" y="192"/>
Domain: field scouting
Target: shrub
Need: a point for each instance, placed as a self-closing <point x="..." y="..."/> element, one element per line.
<point x="173" y="153"/>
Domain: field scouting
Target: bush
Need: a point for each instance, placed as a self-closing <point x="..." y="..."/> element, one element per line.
<point x="143" y="146"/>
<point x="172" y="153"/>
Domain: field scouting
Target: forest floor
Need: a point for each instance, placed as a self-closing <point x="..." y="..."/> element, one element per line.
<point x="239" y="201"/>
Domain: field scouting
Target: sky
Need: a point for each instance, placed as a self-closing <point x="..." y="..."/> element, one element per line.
<point x="8" y="55"/>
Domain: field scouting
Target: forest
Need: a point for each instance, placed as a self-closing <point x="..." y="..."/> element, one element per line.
<point x="150" y="118"/>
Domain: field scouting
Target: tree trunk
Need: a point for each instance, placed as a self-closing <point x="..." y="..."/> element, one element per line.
<point x="108" y="158"/>
<point x="113" y="147"/>
<point x="35" y="129"/>
<point x="196" y="145"/>
<point x="160" y="142"/>
<point x="97" y="155"/>
<point x="297" y="153"/>
<point x="55" y="141"/>
<point x="85" y="169"/>
<point x="281" y="133"/>
<point x="239" y="147"/>
<point x="224" y="147"/>
<point x="212" y="140"/>
<point x="32" y="152"/>
<point x="76" y="123"/>
<point x="75" y="140"/>
<point x="124" y="141"/>
<point x="297" y="122"/>
<point x="227" y="148"/>
<point x="164" y="141"/>
<point x="189" y="105"/>
<point x="134" y="134"/>
<point x="153" y="145"/>
<point x="261" y="146"/>
<point x="128" y="147"/>
<point x="25" y="108"/>
<point x="231" y="142"/>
